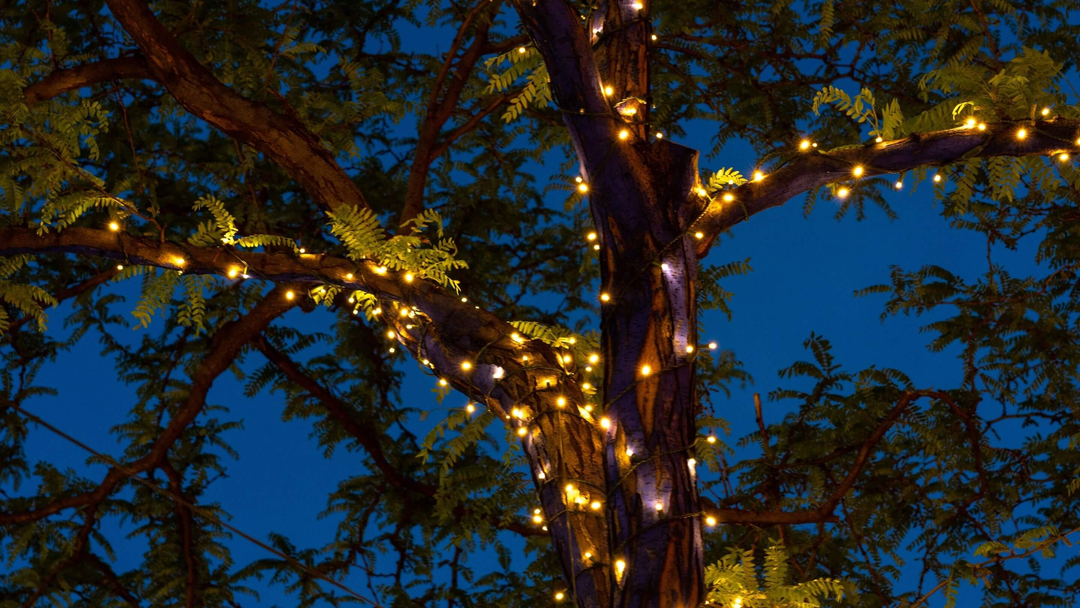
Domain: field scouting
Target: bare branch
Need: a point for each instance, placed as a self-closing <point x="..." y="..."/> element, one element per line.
<point x="88" y="74"/>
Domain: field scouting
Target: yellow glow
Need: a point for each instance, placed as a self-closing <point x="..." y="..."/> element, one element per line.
<point x="700" y="191"/>
<point x="758" y="176"/>
<point x="699" y="235"/>
<point x="516" y="337"/>
<point x="302" y="250"/>
<point x="713" y="345"/>
<point x="937" y="178"/>
<point x="348" y="276"/>
<point x="594" y="358"/>
<point x="588" y="407"/>
<point x="982" y="126"/>
<point x="857" y="171"/>
<point x="659" y="505"/>
<point x="465" y="365"/>
<point x="521" y="50"/>
<point x="583" y="187"/>
<point x="605" y="422"/>
<point x="654" y="38"/>
<point x="443" y="382"/>
<point x="629" y="452"/>
<point x="559" y="596"/>
<point x="591" y="236"/>
<point x="409" y="277"/>
<point x="377" y="311"/>
<point x="638" y="5"/>
<point x="587" y="555"/>
<point x="1021" y="134"/>
<point x="658" y="134"/>
<point x="233" y="271"/>
<point x="645" y="370"/>
<point x="390" y="334"/>
<point x="569" y="488"/>
<point x="586" y="386"/>
<point x="609" y="91"/>
<point x="711" y="439"/>
<point x="561" y="402"/>
<point x="470" y="408"/>
<point x="878" y="140"/>
<point x="178" y="261"/>
<point x="289" y="295"/>
<point x="1046" y="111"/>
<point x="114" y="226"/>
<point x="689" y="348"/>
<point x="523" y="431"/>
<point x="380" y="270"/>
<point x="620" y="566"/>
<point x="119" y="266"/>
<point x="1063" y="157"/>
<point x="595" y="505"/>
<point x="604" y="297"/>
<point x="899" y="185"/>
<point x="624" y="134"/>
<point x="567" y="359"/>
<point x="538" y="519"/>
<point x="710" y="521"/>
<point x="728" y="197"/>
<point x="970" y="122"/>
<point x="804" y="144"/>
<point x="843" y="192"/>
<point x="516" y="412"/>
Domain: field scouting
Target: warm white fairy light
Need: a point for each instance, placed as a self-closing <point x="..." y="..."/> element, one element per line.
<point x="465" y="365"/>
<point x="390" y="334"/>
<point x="380" y="270"/>
<point x="711" y="439"/>
<point x="409" y="277"/>
<point x="728" y="197"/>
<point x="115" y="227"/>
<point x="937" y="178"/>
<point x="878" y="140"/>
<point x="594" y="358"/>
<point x="713" y="345"/>
<point x="982" y="126"/>
<point x="559" y="596"/>
<point x="233" y="271"/>
<point x="645" y="370"/>
<point x="1063" y="157"/>
<point x="119" y="266"/>
<point x="899" y="185"/>
<point x="843" y="192"/>
<point x="470" y="408"/>
<point x="710" y="521"/>
<point x="522" y="432"/>
<point x="1021" y="133"/>
<point x="689" y="348"/>
<point x="804" y="144"/>
<point x="591" y="236"/>
<point x="595" y="506"/>
<point x="586" y="387"/>
<point x="659" y="505"/>
<point x="857" y="171"/>
<point x="561" y="402"/>
<point x="583" y="187"/>
<point x="1046" y="111"/>
<point x="348" y="276"/>
<point x="970" y="122"/>
<point x="443" y="382"/>
<point x="623" y="134"/>
<point x="758" y="176"/>
<point x="699" y="235"/>
<point x="609" y="90"/>
<point x="604" y="297"/>
<point x="289" y="295"/>
<point x="620" y="567"/>
<point x="605" y="423"/>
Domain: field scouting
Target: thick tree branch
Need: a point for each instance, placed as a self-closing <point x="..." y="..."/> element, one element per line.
<point x="88" y="74"/>
<point x="283" y="138"/>
<point x="938" y="148"/>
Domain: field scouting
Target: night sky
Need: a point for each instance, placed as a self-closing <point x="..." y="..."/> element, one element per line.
<point x="805" y="273"/>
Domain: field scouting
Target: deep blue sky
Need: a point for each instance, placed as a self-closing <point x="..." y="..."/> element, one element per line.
<point x="805" y="272"/>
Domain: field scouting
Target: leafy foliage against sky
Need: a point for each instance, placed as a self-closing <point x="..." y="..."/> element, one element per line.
<point x="970" y="482"/>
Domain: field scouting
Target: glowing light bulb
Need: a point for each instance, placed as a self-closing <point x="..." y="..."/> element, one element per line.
<point x="758" y="176"/>
<point x="604" y="297"/>
<point x="843" y="192"/>
<point x="700" y="191"/>
<point x="119" y="266"/>
<point x="470" y="408"/>
<point x="377" y="311"/>
<point x="857" y="171"/>
<point x="689" y="348"/>
<point x="699" y="235"/>
<point x="1021" y="133"/>
<point x="609" y="90"/>
<point x="638" y="5"/>
<point x="516" y="412"/>
<point x="691" y="463"/>
<point x="711" y="439"/>
<point x="713" y="345"/>
<point x="629" y="452"/>
<point x="390" y="334"/>
<point x="114" y="226"/>
<point x="588" y="407"/>
<point x="583" y="187"/>
<point x="1046" y="111"/>
<point x="302" y="250"/>
<point x="409" y="277"/>
<point x="538" y="519"/>
<point x="595" y="506"/>
<point x="654" y="38"/>
<point x="587" y="555"/>
<point x="559" y="596"/>
<point x="937" y="178"/>
<point x="591" y="236"/>
<point x="970" y="122"/>
<point x="540" y="475"/>
<point x="521" y="50"/>
<point x="878" y="140"/>
<point x="380" y="270"/>
<point x="443" y="382"/>
<point x="1063" y="157"/>
<point x="728" y="197"/>
<point x="624" y="134"/>
<point x="899" y="185"/>
<point x="645" y="370"/>
<point x="710" y="521"/>
<point x="567" y="359"/>
<point x="982" y="126"/>
<point x="289" y="295"/>
<point x="586" y="387"/>
<point x="465" y="365"/>
<point x="233" y="271"/>
<point x="620" y="567"/>
<point x="659" y="505"/>
<point x="179" y="261"/>
<point x="804" y="144"/>
<point x="596" y="247"/>
<point x="561" y="402"/>
<point x="605" y="423"/>
<point x="569" y="488"/>
<point x="594" y="358"/>
<point x="658" y="134"/>
<point x="522" y="432"/>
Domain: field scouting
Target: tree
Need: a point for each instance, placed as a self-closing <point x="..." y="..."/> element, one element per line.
<point x="212" y="149"/>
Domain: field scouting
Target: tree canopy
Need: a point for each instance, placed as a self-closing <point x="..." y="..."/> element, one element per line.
<point x="507" y="213"/>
